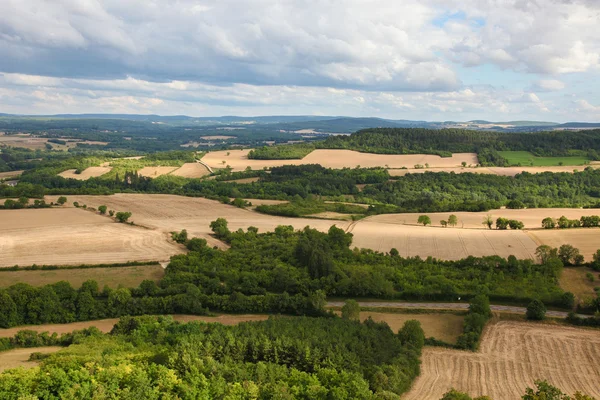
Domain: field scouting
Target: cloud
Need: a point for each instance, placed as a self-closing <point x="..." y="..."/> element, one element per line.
<point x="549" y="85"/>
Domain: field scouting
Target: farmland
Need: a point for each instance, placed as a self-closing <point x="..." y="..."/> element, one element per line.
<point x="111" y="277"/>
<point x="20" y="357"/>
<point x="512" y="355"/>
<point x="91" y="172"/>
<point x="526" y="158"/>
<point x="73" y="236"/>
<point x="502" y="171"/>
<point x="238" y="160"/>
<point x="191" y="170"/>
<point x="586" y="240"/>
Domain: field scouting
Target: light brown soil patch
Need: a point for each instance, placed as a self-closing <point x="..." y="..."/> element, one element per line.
<point x="91" y="172"/>
<point x="20" y="357"/>
<point x="24" y="141"/>
<point x="574" y="280"/>
<point x="155" y="172"/>
<point x="113" y="277"/>
<point x="106" y="325"/>
<point x="331" y="215"/>
<point x="531" y="218"/>
<point x="69" y="236"/>
<point x="191" y="170"/>
<point x="456" y="170"/>
<point x="217" y="137"/>
<point x="10" y="174"/>
<point x="260" y="202"/>
<point x="586" y="240"/>
<point x="238" y="160"/>
<point x="441" y="243"/>
<point x="508" y="171"/>
<point x="512" y="356"/>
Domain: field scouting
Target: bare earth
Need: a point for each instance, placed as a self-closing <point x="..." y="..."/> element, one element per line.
<point x="20" y="357"/>
<point x="91" y="172"/>
<point x="531" y="218"/>
<point x="154" y="172"/>
<point x="10" y="174"/>
<point x="70" y="236"/>
<point x="106" y="325"/>
<point x="512" y="356"/>
<point x="191" y="170"/>
<point x="238" y="160"/>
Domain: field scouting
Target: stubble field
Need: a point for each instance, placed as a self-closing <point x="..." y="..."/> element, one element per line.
<point x="512" y="356"/>
<point x="69" y="236"/>
<point x="91" y="172"/>
<point x="191" y="170"/>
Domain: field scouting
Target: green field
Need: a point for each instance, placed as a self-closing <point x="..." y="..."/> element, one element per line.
<point x="525" y="159"/>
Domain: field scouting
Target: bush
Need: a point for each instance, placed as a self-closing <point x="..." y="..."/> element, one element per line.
<point x="102" y="209"/>
<point x="123" y="216"/>
<point x="412" y="334"/>
<point x="536" y="311"/>
<point x="351" y="310"/>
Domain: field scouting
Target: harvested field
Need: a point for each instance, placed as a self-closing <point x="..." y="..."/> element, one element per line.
<point x="23" y="140"/>
<point x="155" y="172"/>
<point x="105" y="325"/>
<point x="168" y="213"/>
<point x="113" y="277"/>
<point x="244" y="180"/>
<point x="503" y="171"/>
<point x="331" y="215"/>
<point x="574" y="280"/>
<point x="531" y="218"/>
<point x="238" y="160"/>
<point x="217" y="137"/>
<point x="587" y="240"/>
<point x="191" y="170"/>
<point x="512" y="356"/>
<point x="442" y="243"/>
<point x="20" y="357"/>
<point x="91" y="172"/>
<point x="10" y="174"/>
<point x="68" y="236"/>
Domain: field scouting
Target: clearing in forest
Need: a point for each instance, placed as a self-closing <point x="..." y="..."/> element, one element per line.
<point x="91" y="172"/>
<point x="238" y="160"/>
<point x="577" y="281"/>
<point x="20" y="357"/>
<point x="70" y="236"/>
<point x="10" y="174"/>
<point x="526" y="158"/>
<point x="155" y="172"/>
<point x="112" y="277"/>
<point x="512" y="356"/>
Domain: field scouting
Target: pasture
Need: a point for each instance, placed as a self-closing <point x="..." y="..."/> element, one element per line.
<point x="111" y="277"/>
<point x="238" y="160"/>
<point x="512" y="356"/>
<point x="526" y="158"/>
<point x="70" y="236"/>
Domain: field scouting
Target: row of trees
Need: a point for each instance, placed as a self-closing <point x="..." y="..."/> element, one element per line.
<point x="563" y="222"/>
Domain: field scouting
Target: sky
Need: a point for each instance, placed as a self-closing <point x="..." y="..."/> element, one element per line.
<point x="434" y="60"/>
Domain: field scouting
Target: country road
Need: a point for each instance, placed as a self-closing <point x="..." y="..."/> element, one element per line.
<point x="443" y="306"/>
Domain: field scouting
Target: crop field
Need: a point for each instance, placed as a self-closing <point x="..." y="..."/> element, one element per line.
<point x="511" y="357"/>
<point x="68" y="236"/>
<point x="23" y="140"/>
<point x="238" y="160"/>
<point x="531" y="218"/>
<point x="503" y="171"/>
<point x="91" y="172"/>
<point x="441" y="243"/>
<point x="112" y="277"/>
<point x="526" y="158"/>
<point x="105" y="325"/>
<point x="191" y="170"/>
<point x="20" y="357"/>
<point x="10" y="174"/>
<point x="587" y="240"/>
<point x="155" y="172"/>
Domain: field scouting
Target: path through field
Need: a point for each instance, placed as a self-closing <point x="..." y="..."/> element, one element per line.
<point x="512" y="356"/>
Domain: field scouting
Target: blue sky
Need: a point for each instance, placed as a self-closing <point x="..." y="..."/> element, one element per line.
<point x="415" y="59"/>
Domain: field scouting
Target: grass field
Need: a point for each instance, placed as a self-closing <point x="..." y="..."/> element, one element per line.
<point x="574" y="280"/>
<point x="20" y="357"/>
<point x="512" y="356"/>
<point x="113" y="277"/>
<point x="525" y="158"/>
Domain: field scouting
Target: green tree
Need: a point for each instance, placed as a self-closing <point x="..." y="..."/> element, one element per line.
<point x="123" y="216"/>
<point x="220" y="229"/>
<point x="8" y="311"/>
<point x="544" y="391"/>
<point x="111" y="213"/>
<point x="548" y="223"/>
<point x="61" y="200"/>
<point x="545" y="253"/>
<point x="424" y="219"/>
<point x="452" y="220"/>
<point x="502" y="223"/>
<point x="480" y="304"/>
<point x="102" y="209"/>
<point x="351" y="310"/>
<point x="196" y="244"/>
<point x="412" y="334"/>
<point x="444" y="223"/>
<point x="488" y="221"/>
<point x="536" y="311"/>
<point x="514" y="224"/>
<point x="567" y="254"/>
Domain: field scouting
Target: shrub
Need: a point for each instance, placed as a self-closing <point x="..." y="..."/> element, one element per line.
<point x="123" y="216"/>
<point x="351" y="310"/>
<point x="536" y="311"/>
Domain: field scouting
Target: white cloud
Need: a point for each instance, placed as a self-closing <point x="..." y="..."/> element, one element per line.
<point x="549" y="85"/>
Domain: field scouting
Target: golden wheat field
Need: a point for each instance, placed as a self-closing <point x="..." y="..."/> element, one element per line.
<point x="67" y="236"/>
<point x="191" y="170"/>
<point x="587" y="240"/>
<point x="238" y="160"/>
<point x="504" y="171"/>
<point x="91" y="172"/>
<point x="512" y="356"/>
